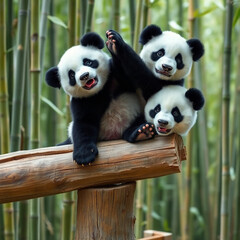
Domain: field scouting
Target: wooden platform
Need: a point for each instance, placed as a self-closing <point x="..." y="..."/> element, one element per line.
<point x="46" y="171"/>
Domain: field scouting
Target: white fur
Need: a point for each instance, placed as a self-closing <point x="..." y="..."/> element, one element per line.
<point x="170" y="97"/>
<point x="173" y="44"/>
<point x="73" y="59"/>
<point x="120" y="114"/>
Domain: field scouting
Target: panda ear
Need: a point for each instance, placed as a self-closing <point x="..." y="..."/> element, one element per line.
<point x="196" y="97"/>
<point x="149" y="32"/>
<point x="92" y="39"/>
<point x="52" y="77"/>
<point x="196" y="47"/>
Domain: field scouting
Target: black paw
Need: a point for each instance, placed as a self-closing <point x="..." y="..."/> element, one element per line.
<point x="86" y="154"/>
<point x="143" y="132"/>
<point x="114" y="41"/>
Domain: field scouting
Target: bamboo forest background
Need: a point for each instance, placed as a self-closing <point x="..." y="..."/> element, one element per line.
<point x="203" y="202"/>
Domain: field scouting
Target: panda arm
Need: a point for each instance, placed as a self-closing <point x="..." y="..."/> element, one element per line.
<point x="84" y="132"/>
<point x="125" y="58"/>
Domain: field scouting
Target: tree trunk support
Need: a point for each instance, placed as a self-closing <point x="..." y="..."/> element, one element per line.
<point x="106" y="213"/>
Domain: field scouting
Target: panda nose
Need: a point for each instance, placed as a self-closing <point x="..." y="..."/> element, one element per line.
<point x="162" y="122"/>
<point x="84" y="76"/>
<point x="167" y="67"/>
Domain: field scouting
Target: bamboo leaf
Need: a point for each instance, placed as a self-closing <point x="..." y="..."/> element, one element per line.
<point x="53" y="106"/>
<point x="57" y="21"/>
<point x="236" y="17"/>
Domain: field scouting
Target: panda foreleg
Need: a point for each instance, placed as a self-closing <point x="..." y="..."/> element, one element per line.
<point x="139" y="130"/>
<point x="84" y="136"/>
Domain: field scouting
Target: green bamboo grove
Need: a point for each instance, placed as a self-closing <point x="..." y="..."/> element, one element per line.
<point x="202" y="202"/>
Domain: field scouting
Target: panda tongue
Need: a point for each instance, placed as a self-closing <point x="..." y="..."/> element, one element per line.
<point x="90" y="83"/>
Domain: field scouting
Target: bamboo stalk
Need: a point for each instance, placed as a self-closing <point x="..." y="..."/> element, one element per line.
<point x="224" y="233"/>
<point x="19" y="81"/>
<point x="149" y="193"/>
<point x="132" y="14"/>
<point x="235" y="152"/>
<point x="188" y="223"/>
<point x="35" y="74"/>
<point x="43" y="29"/>
<point x="9" y="47"/>
<point x="68" y="197"/>
<point x="145" y="13"/>
<point x="83" y="10"/>
<point x="137" y="25"/>
<point x="116" y="15"/>
<point x="23" y="219"/>
<point x="139" y="209"/>
<point x="89" y="16"/>
<point x="4" y="120"/>
<point x="203" y="153"/>
<point x="36" y="86"/>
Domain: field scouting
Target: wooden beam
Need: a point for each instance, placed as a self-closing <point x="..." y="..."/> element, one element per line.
<point x="48" y="171"/>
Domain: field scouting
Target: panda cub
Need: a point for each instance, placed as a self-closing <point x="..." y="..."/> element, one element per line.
<point x="101" y="108"/>
<point x="166" y="58"/>
<point x="173" y="109"/>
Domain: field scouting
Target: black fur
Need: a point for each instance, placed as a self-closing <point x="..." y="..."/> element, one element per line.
<point x="196" y="47"/>
<point x="86" y="116"/>
<point x="148" y="33"/>
<point x="52" y="77"/>
<point x="92" y="39"/>
<point x="196" y="97"/>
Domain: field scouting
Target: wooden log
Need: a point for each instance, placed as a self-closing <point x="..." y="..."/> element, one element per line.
<point x="47" y="171"/>
<point x="106" y="213"/>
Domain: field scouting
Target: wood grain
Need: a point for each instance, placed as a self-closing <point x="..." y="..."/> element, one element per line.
<point x="47" y="171"/>
<point x="106" y="213"/>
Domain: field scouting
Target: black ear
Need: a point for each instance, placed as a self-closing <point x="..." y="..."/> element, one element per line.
<point x="149" y="32"/>
<point x="52" y="77"/>
<point x="197" y="48"/>
<point x="196" y="97"/>
<point x="92" y="39"/>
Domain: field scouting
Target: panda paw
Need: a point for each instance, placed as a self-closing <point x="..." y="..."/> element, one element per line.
<point x="114" y="41"/>
<point x="85" y="155"/>
<point x="143" y="132"/>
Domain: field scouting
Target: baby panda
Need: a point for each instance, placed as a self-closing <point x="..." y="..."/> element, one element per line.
<point x="166" y="59"/>
<point x="101" y="108"/>
<point x="173" y="109"/>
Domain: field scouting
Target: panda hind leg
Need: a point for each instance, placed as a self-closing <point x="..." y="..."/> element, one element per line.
<point x="140" y="130"/>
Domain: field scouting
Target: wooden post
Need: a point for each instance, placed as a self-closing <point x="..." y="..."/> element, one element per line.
<point x="106" y="213"/>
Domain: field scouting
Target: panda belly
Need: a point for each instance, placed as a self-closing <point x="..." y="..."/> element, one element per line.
<point x="121" y="112"/>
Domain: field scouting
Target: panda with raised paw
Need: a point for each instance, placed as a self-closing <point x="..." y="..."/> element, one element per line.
<point x="173" y="109"/>
<point x="165" y="60"/>
<point x="101" y="108"/>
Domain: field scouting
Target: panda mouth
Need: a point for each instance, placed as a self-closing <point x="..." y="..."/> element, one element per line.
<point x="162" y="130"/>
<point x="165" y="73"/>
<point x="91" y="83"/>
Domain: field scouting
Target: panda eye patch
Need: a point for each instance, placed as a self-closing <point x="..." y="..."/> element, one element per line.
<point x="90" y="63"/>
<point x="153" y="112"/>
<point x="179" y="61"/>
<point x="177" y="115"/>
<point x="71" y="76"/>
<point x="156" y="55"/>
